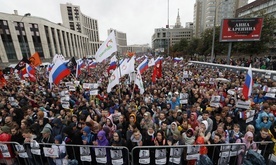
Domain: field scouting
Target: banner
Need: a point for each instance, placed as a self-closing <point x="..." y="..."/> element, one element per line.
<point x="241" y="29"/>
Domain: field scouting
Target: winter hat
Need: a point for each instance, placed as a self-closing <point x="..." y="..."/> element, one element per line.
<point x="205" y="123"/>
<point x="134" y="116"/>
<point x="87" y="129"/>
<point x="6" y="129"/>
<point x="176" y="133"/>
<point x="209" y="109"/>
<point x="46" y="130"/>
<point x="58" y="138"/>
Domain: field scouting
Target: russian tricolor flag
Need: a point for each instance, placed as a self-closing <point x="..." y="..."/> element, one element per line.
<point x="92" y="64"/>
<point x="248" y="84"/>
<point x="143" y="66"/>
<point x="157" y="60"/>
<point x="112" y="64"/>
<point x="58" y="72"/>
<point x="30" y="69"/>
<point x="176" y="59"/>
<point x="80" y="65"/>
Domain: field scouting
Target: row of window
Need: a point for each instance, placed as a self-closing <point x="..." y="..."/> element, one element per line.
<point x="57" y="41"/>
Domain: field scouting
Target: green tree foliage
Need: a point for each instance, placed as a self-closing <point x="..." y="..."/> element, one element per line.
<point x="203" y="45"/>
<point x="267" y="37"/>
<point x="180" y="47"/>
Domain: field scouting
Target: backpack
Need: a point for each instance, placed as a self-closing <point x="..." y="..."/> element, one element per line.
<point x="255" y="158"/>
<point x="204" y="160"/>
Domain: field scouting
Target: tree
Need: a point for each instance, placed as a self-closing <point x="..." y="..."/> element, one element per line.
<point x="192" y="46"/>
<point x="180" y="47"/>
<point x="267" y="40"/>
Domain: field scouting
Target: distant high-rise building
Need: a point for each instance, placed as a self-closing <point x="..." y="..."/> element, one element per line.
<point x="23" y="35"/>
<point x="121" y="39"/>
<point x="73" y="18"/>
<point x="199" y="17"/>
<point x="205" y="11"/>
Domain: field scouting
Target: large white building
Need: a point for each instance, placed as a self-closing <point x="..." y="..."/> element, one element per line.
<point x="208" y="13"/>
<point x="23" y="35"/>
<point x="163" y="38"/>
<point x="73" y="18"/>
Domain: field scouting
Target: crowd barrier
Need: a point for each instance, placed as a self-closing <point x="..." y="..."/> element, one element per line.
<point x="52" y="154"/>
<point x="45" y="153"/>
<point x="257" y="72"/>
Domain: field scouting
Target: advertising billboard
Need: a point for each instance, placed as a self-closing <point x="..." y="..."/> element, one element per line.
<point x="241" y="29"/>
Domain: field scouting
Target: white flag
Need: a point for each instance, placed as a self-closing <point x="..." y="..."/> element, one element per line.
<point x="113" y="80"/>
<point x="139" y="82"/>
<point x="151" y="62"/>
<point x="108" y="47"/>
<point x="127" y="66"/>
<point x="58" y="57"/>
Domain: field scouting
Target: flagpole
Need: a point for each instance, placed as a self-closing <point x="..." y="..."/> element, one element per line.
<point x="118" y="65"/>
<point x="132" y="96"/>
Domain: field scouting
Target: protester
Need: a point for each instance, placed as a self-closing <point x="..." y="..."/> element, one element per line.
<point x="175" y="109"/>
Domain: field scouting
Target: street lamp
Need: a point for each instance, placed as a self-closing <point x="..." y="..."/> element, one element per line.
<point x="168" y="28"/>
<point x="214" y="30"/>
<point x="23" y="39"/>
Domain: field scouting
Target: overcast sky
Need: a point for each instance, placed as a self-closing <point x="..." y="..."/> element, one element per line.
<point x="136" y="18"/>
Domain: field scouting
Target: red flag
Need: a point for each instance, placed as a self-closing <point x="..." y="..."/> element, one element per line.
<point x="3" y="81"/>
<point x="157" y="71"/>
<point x="35" y="59"/>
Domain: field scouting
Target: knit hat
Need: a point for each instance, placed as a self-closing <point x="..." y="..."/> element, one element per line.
<point x="58" y="138"/>
<point x="205" y="123"/>
<point x="176" y="133"/>
<point x="134" y="116"/>
<point x="209" y="109"/>
<point x="6" y="129"/>
<point x="46" y="130"/>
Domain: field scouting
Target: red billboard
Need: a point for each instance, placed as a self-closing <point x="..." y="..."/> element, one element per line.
<point x="241" y="29"/>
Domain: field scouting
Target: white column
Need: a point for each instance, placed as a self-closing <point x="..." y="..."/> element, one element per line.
<point x="15" y="40"/>
<point x="62" y="43"/>
<point x="66" y="43"/>
<point x="29" y="41"/>
<point x="52" y="41"/>
<point x="44" y="43"/>
<point x="57" y="41"/>
<point x="3" y="54"/>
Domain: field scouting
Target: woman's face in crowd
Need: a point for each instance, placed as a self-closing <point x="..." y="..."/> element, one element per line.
<point x="159" y="136"/>
<point x="116" y="136"/>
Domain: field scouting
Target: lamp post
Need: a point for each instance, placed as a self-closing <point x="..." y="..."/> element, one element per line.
<point x="168" y="24"/>
<point x="23" y="39"/>
<point x="214" y="31"/>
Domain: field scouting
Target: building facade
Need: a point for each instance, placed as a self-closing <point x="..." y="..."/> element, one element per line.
<point x="24" y="35"/>
<point x="208" y="13"/>
<point x="73" y="18"/>
<point x="121" y="39"/>
<point x="268" y="6"/>
<point x="163" y="38"/>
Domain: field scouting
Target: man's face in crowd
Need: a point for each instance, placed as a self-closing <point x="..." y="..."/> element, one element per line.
<point x="264" y="134"/>
<point x="205" y="116"/>
<point x="13" y="131"/>
<point x="8" y="120"/>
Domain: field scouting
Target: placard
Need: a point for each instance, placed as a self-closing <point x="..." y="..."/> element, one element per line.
<point x="144" y="157"/>
<point x="243" y="104"/>
<point x="160" y="156"/>
<point x="5" y="151"/>
<point x="50" y="152"/>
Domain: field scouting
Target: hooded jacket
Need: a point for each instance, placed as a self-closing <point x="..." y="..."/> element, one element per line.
<point x="193" y="123"/>
<point x="103" y="141"/>
<point x="57" y="127"/>
<point x="189" y="140"/>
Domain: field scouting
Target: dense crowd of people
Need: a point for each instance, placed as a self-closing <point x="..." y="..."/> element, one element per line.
<point x="176" y="110"/>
